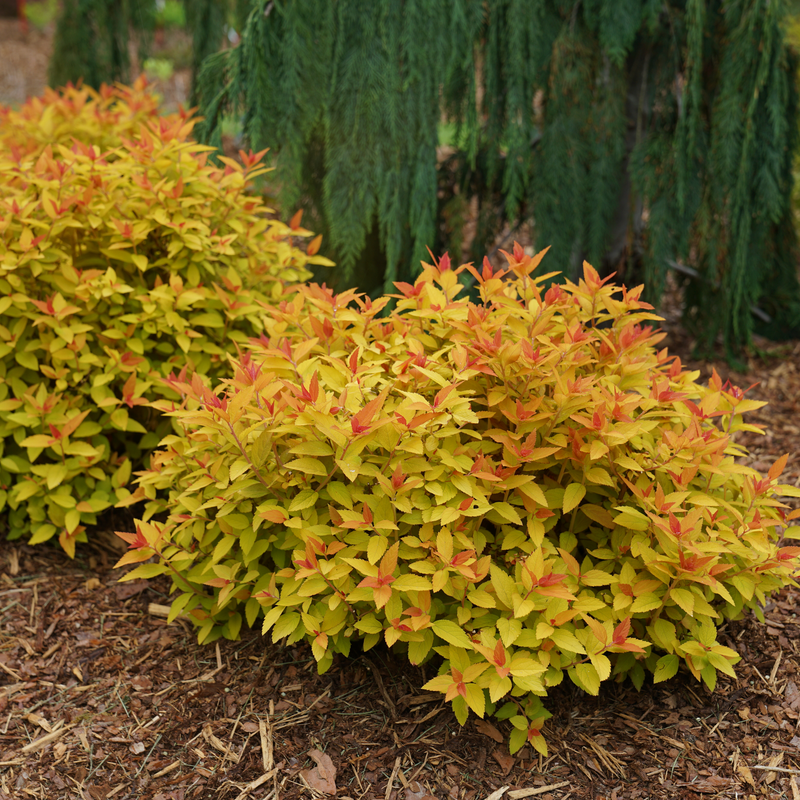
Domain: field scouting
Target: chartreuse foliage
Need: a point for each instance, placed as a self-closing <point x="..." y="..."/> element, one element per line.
<point x="523" y="485"/>
<point x="117" y="266"/>
<point x="102" y="118"/>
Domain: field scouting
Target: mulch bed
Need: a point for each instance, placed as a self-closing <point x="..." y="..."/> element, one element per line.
<point x="100" y="698"/>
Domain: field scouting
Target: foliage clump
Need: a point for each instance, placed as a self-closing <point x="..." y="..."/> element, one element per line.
<point x="102" y="117"/>
<point x="125" y="254"/>
<point x="523" y="485"/>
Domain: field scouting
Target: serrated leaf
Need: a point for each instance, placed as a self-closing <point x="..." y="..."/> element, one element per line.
<point x="573" y="495"/>
<point x="302" y="501"/>
<point x="144" y="572"/>
<point x="509" y="630"/>
<point x="285" y="625"/>
<point x="418" y="650"/>
<point x="596" y="577"/>
<point x="566" y="641"/>
<point x="507" y="512"/>
<point x="684" y="598"/>
<point x="412" y="583"/>
<point x="340" y="494"/>
<point x="476" y="699"/>
<point x="588" y="677"/>
<point x="602" y="665"/>
<point x="451" y="633"/>
<point x="309" y="466"/>
<point x="376" y="548"/>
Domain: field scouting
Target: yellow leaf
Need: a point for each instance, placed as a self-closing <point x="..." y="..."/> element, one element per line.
<point x="573" y="495"/>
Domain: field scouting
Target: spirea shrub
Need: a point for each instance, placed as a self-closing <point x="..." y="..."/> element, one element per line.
<point x="102" y="118"/>
<point x="523" y="485"/>
<point x="117" y="267"/>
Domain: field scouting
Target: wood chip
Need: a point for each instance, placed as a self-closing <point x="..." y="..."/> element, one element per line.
<point x="158" y="610"/>
<point x="519" y="794"/>
<point x="172" y="766"/>
<point x="10" y="671"/>
<point x="218" y="744"/>
<point x="497" y="793"/>
<point x="255" y="784"/>
<point x="38" y="744"/>
<point x="775" y="667"/>
<point x="267" y="751"/>
<point x="776" y="769"/>
<point x="36" y="719"/>
<point x="392" y="777"/>
<point x="744" y="773"/>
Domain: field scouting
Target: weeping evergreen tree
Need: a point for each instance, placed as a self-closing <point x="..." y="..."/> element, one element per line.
<point x="641" y="135"/>
<point x="91" y="40"/>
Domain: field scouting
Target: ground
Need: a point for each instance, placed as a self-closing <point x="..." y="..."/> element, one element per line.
<point x="100" y="698"/>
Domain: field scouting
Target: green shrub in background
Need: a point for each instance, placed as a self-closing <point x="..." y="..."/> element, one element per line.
<point x="124" y="255"/>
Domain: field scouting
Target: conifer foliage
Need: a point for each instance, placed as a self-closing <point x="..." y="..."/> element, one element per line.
<point x="91" y="41"/>
<point x="637" y="134"/>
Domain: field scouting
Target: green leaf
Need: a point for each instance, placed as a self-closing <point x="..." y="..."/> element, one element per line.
<point x="376" y="548"/>
<point x="476" y="699"/>
<point x="504" y="585"/>
<point x="684" y="598"/>
<point x="418" y="651"/>
<point x="270" y="618"/>
<point x="37" y="440"/>
<point x="602" y="665"/>
<point x="507" y="512"/>
<point x="340" y="494"/>
<point x="286" y="625"/>
<point x="566" y="641"/>
<point x="596" y="577"/>
<point x="573" y="495"/>
<point x="303" y="500"/>
<point x="449" y="631"/>
<point x="309" y="466"/>
<point x="72" y="519"/>
<point x="412" y="583"/>
<point x="26" y="489"/>
<point x="588" y="677"/>
<point x="481" y="599"/>
<point x="516" y="740"/>
<point x="369" y="624"/>
<point x="709" y="676"/>
<point x="43" y="534"/>
<point x="144" y="571"/>
<point x="509" y="630"/>
<point x="27" y="360"/>
<point x="312" y="448"/>
<point x="666" y="668"/>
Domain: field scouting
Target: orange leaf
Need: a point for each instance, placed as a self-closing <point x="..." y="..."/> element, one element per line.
<point x="313" y="245"/>
<point x="778" y="467"/>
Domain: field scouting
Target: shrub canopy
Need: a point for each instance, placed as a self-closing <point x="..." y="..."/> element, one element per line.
<point x="523" y="485"/>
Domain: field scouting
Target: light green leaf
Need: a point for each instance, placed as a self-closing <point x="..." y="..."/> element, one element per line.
<point x="573" y="495"/>
<point x="509" y="630"/>
<point x="310" y="466"/>
<point x="449" y="631"/>
<point x="304" y="500"/>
